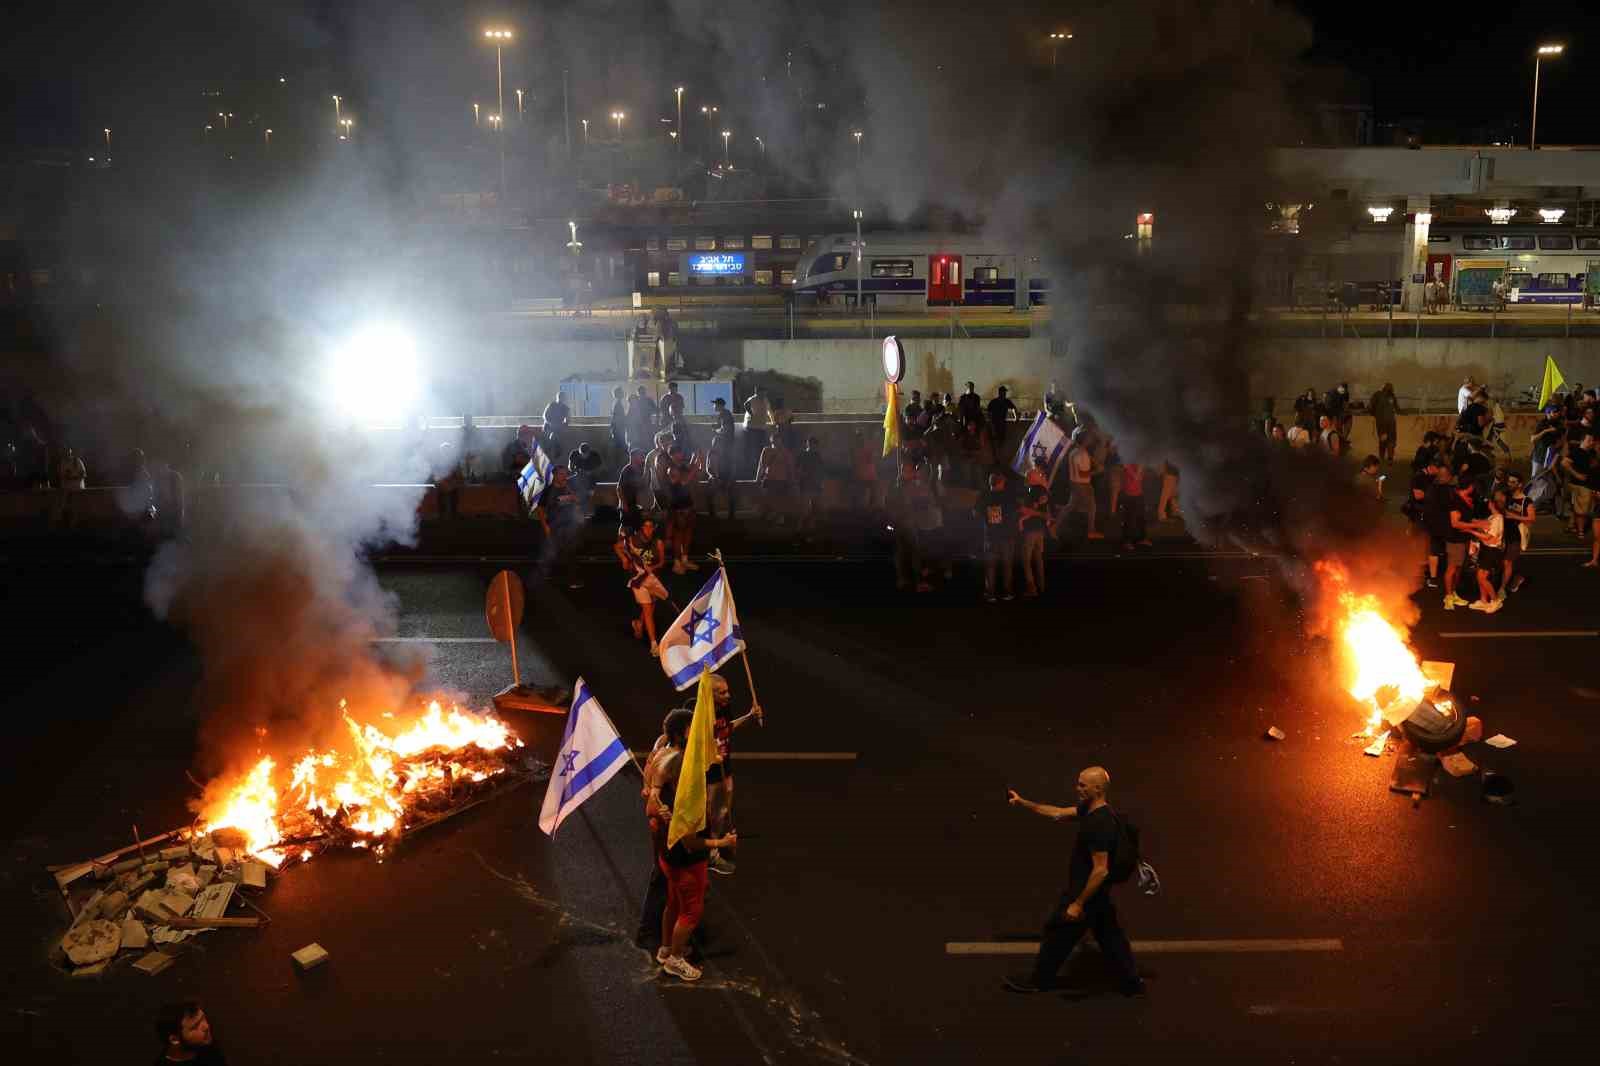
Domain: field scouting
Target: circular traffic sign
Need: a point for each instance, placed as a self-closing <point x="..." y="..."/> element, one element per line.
<point x="502" y="605"/>
<point x="894" y="360"/>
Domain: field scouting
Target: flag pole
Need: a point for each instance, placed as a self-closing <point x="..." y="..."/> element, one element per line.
<point x="744" y="657"/>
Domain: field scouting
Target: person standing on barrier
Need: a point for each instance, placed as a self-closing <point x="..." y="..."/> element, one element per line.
<point x="1385" y="417"/>
<point x="757" y="421"/>
<point x="619" y="421"/>
<point x="1086" y="905"/>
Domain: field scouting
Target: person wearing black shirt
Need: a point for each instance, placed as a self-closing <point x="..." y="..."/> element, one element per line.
<point x="997" y="513"/>
<point x="632" y="480"/>
<point x="1000" y="410"/>
<point x="619" y="420"/>
<point x="1581" y="467"/>
<point x="556" y="414"/>
<point x="724" y="418"/>
<point x="1474" y="417"/>
<point x="560" y="516"/>
<point x="1415" y="509"/>
<point x="969" y="408"/>
<point x="1462" y="508"/>
<point x="1086" y="904"/>
<point x="584" y="462"/>
<point x="1427" y="452"/>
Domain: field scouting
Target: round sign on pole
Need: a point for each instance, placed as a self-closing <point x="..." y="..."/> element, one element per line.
<point x="894" y="360"/>
<point x="502" y="605"/>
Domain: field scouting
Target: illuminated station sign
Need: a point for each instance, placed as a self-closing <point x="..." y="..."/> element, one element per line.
<point x="716" y="264"/>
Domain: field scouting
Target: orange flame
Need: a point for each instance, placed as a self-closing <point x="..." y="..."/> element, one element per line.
<point x="1381" y="666"/>
<point x="367" y="790"/>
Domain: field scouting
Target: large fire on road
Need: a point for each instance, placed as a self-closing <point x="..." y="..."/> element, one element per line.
<point x="1383" y="674"/>
<point x="365" y="794"/>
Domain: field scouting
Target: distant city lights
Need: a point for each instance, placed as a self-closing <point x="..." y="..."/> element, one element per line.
<point x="1380" y="214"/>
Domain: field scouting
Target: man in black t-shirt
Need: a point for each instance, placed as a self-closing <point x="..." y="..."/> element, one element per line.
<point x="1580" y="467"/>
<point x="584" y="462"/>
<point x="997" y="514"/>
<point x="1086" y="904"/>
<point x="1001" y="409"/>
<point x="561" y="517"/>
<point x="1462" y="509"/>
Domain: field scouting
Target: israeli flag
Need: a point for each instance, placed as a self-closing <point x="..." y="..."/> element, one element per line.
<point x="1043" y="437"/>
<point x="591" y="754"/>
<point x="704" y="636"/>
<point x="534" y="477"/>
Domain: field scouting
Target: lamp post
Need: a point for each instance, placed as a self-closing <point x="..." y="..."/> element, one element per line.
<point x="337" y="123"/>
<point x="268" y="135"/>
<point x="107" y="132"/>
<point x="1533" y="126"/>
<point x="519" y="102"/>
<point x="499" y="38"/>
<point x="1055" y="46"/>
<point x="585" y="131"/>
<point x="475" y="114"/>
<point x="857" y="134"/>
<point x="346" y="123"/>
<point x="859" y="246"/>
<point x="678" y="92"/>
<point x="763" y="146"/>
<point x="617" y="117"/>
<point x="727" y="164"/>
<point x="709" y="113"/>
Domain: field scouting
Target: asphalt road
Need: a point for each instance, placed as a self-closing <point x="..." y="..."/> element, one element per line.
<point x="1465" y="931"/>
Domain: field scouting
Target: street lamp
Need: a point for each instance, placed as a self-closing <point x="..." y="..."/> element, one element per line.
<point x="268" y="134"/>
<point x="494" y="122"/>
<point x="858" y="247"/>
<point x="336" y="122"/>
<point x="347" y="123"/>
<point x="617" y="117"/>
<point x="574" y="244"/>
<point x="678" y="92"/>
<point x="499" y="38"/>
<point x="763" y="146"/>
<point x="708" y="112"/>
<point x="519" y="101"/>
<point x="585" y="131"/>
<point x="107" y="132"/>
<point x="1055" y="45"/>
<point x="475" y="114"/>
<point x="1533" y="126"/>
<point x="727" y="164"/>
<point x="857" y="134"/>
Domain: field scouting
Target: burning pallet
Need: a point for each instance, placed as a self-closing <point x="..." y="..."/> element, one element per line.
<point x="151" y="896"/>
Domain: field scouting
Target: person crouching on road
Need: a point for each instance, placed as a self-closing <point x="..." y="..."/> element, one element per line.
<point x="1086" y="904"/>
<point x="641" y="553"/>
<point x="719" y="775"/>
<point x="684" y="863"/>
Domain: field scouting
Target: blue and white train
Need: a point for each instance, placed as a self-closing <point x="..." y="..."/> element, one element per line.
<point x="918" y="270"/>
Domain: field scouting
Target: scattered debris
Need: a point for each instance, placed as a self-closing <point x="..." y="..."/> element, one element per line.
<point x="1458" y="764"/>
<point x="1500" y="740"/>
<point x="94" y="970"/>
<point x="91" y="941"/>
<point x="253" y="874"/>
<point x="1274" y="733"/>
<point x="214" y="899"/>
<point x="134" y="935"/>
<point x="310" y="956"/>
<point x="1379" y="745"/>
<point x="154" y="963"/>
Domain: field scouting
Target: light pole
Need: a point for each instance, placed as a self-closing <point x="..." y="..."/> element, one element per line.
<point x="519" y="102"/>
<point x="678" y="92"/>
<point x="617" y="117"/>
<point x="226" y="119"/>
<point x="727" y="164"/>
<point x="268" y="134"/>
<point x="337" y="123"/>
<point x="475" y="114"/>
<point x="859" y="246"/>
<point x="857" y="134"/>
<point x="107" y="132"/>
<point x="710" y="114"/>
<point x="763" y="146"/>
<point x="585" y="131"/>
<point x="346" y="123"/>
<point x="1533" y="126"/>
<point x="1055" y="46"/>
<point x="501" y="38"/>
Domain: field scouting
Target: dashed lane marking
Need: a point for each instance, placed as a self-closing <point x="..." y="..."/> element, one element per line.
<point x="1156" y="947"/>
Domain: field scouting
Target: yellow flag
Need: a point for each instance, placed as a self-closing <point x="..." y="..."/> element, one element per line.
<point x="891" y="418"/>
<point x="1552" y="381"/>
<point x="699" y="752"/>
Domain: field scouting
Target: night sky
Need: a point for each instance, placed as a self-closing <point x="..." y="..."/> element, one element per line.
<point x="71" y="68"/>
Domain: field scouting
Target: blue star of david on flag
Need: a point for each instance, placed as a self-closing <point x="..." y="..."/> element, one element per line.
<point x="588" y="731"/>
<point x="704" y="636"/>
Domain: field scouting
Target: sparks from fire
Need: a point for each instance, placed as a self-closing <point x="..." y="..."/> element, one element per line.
<point x="1381" y="666"/>
<point x="366" y="791"/>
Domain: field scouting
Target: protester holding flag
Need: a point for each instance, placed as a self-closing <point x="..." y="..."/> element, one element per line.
<point x="719" y="776"/>
<point x="704" y="636"/>
<point x="642" y="553"/>
<point x="687" y="845"/>
<point x="660" y="785"/>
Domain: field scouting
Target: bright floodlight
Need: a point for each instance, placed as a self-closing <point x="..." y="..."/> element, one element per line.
<point x="1551" y="49"/>
<point x="375" y="376"/>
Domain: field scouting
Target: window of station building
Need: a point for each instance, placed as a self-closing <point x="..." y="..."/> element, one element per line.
<point x="1589" y="244"/>
<point x="893" y="268"/>
<point x="1517" y="244"/>
<point x="652" y="244"/>
<point x="705" y="244"/>
<point x="761" y="240"/>
<point x="789" y="241"/>
<point x="988" y="275"/>
<point x="674" y="278"/>
<point x="653" y="279"/>
<point x="764" y="277"/>
<point x="677" y="244"/>
<point x="733" y="242"/>
<point x="1559" y="243"/>
<point x="786" y="277"/>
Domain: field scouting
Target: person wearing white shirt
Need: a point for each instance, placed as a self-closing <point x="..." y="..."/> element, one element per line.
<point x="1464" y="394"/>
<point x="1491" y="555"/>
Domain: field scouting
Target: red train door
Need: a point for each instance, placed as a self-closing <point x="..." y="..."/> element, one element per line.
<point x="944" y="279"/>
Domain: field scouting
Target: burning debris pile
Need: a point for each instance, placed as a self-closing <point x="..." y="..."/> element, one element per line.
<point x="149" y="897"/>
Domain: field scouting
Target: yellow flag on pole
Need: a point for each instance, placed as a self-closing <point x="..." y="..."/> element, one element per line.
<point x="699" y="752"/>
<point x="891" y="418"/>
<point x="1552" y="381"/>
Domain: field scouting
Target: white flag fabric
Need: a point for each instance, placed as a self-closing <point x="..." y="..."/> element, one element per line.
<point x="534" y="477"/>
<point x="591" y="754"/>
<point x="1044" y="438"/>
<point x="704" y="636"/>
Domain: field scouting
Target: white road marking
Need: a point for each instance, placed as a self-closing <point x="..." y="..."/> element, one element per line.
<point x="434" y="640"/>
<point x="1155" y="947"/>
<point x="786" y="756"/>
<point x="1508" y="634"/>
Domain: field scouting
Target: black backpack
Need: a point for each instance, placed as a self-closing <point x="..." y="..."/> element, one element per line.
<point x="1125" y="856"/>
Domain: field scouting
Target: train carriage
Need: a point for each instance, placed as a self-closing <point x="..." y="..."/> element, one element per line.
<point x="918" y="270"/>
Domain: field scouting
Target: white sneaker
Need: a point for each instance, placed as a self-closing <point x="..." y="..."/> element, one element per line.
<point x="681" y="968"/>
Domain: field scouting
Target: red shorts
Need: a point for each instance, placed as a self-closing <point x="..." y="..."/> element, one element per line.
<point x="686" y="890"/>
